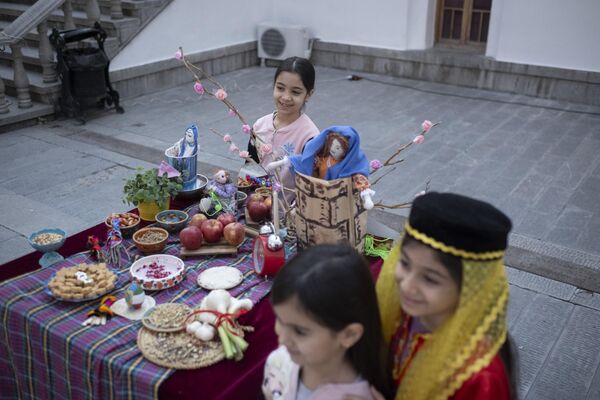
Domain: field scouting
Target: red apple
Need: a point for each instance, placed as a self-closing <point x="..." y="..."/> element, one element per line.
<point x="268" y="201"/>
<point x="226" y="219"/>
<point x="212" y="230"/>
<point x="258" y="211"/>
<point x="197" y="220"/>
<point x="191" y="237"/>
<point x="234" y="233"/>
<point x="254" y="197"/>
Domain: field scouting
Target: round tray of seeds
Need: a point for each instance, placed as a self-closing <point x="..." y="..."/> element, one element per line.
<point x="167" y="317"/>
<point x="178" y="350"/>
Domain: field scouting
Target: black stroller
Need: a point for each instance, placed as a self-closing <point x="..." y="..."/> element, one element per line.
<point x="83" y="72"/>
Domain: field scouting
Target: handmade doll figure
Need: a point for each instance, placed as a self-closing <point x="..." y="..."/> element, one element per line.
<point x="115" y="245"/>
<point x="336" y="147"/>
<point x="186" y="146"/>
<point x="335" y="153"/>
<point x="221" y="192"/>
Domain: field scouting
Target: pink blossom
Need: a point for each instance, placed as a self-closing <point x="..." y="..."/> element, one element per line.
<point x="244" y="154"/>
<point x="232" y="113"/>
<point x="221" y="94"/>
<point x="418" y="139"/>
<point x="246" y="128"/>
<point x="426" y="125"/>
<point x="227" y="138"/>
<point x="277" y="187"/>
<point x="178" y="55"/>
<point x="375" y="164"/>
<point x="199" y="88"/>
<point x="233" y="148"/>
<point x="266" y="148"/>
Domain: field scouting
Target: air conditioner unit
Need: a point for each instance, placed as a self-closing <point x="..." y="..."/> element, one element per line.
<point x="280" y="42"/>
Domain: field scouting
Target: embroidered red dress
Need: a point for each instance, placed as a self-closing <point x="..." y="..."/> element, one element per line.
<point x="490" y="383"/>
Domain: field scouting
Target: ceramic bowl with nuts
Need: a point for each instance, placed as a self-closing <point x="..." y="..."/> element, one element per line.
<point x="46" y="240"/>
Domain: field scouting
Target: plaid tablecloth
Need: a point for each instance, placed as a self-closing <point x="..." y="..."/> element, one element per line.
<point x="45" y="352"/>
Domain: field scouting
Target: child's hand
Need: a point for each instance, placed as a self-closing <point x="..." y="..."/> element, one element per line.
<point x="272" y="166"/>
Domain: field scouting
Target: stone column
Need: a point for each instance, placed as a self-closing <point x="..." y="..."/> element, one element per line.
<point x="116" y="12"/>
<point x="92" y="10"/>
<point x="3" y="103"/>
<point x="68" y="13"/>
<point x="46" y="54"/>
<point x="21" y="79"/>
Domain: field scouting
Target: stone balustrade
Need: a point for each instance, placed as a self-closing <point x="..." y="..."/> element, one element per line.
<point x="36" y="16"/>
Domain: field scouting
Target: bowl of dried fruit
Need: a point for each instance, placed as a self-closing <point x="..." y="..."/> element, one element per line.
<point x="151" y="239"/>
<point x="158" y="271"/>
<point x="172" y="220"/>
<point x="128" y="222"/>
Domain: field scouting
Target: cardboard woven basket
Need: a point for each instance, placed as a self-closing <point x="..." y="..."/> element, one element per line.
<point x="329" y="211"/>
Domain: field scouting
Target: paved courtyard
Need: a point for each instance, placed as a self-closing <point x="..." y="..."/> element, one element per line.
<point x="538" y="160"/>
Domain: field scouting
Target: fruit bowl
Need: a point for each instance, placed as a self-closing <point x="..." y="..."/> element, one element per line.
<point x="172" y="220"/>
<point x="157" y="272"/>
<point x="47" y="241"/>
<point x="129" y="222"/>
<point x="151" y="239"/>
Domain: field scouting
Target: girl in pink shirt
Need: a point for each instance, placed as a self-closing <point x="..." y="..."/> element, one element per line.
<point x="327" y="323"/>
<point x="285" y="131"/>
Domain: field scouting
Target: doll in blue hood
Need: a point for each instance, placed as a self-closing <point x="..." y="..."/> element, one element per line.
<point x="335" y="153"/>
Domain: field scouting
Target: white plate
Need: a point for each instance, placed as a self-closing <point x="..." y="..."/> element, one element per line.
<point x="220" y="278"/>
<point x="121" y="308"/>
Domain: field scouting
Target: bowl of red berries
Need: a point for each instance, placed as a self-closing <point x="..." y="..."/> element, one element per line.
<point x="158" y="271"/>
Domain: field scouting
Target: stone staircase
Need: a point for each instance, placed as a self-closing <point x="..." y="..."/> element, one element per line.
<point x="29" y="86"/>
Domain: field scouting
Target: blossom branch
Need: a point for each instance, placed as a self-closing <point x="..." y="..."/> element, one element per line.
<point x="425" y="128"/>
<point x="379" y="178"/>
<point x="382" y="205"/>
<point x="220" y="94"/>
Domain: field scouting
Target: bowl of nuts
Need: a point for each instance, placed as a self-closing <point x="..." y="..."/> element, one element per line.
<point x="128" y="222"/>
<point x="48" y="241"/>
<point x="172" y="220"/>
<point x="151" y="239"/>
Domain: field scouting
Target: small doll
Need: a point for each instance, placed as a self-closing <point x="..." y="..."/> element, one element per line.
<point x="93" y="245"/>
<point x="221" y="194"/>
<point x="335" y="153"/>
<point x="115" y="244"/>
<point x="187" y="146"/>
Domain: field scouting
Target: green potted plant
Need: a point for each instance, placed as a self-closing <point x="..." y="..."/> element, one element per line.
<point x="150" y="192"/>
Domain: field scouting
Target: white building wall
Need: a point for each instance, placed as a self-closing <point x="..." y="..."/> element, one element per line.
<point x="553" y="33"/>
<point x="540" y="32"/>
<point x="199" y="25"/>
<point x="195" y="25"/>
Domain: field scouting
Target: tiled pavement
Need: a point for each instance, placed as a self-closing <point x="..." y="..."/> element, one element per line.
<point x="538" y="160"/>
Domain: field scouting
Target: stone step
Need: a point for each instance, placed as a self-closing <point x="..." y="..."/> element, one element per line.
<point x="17" y="117"/>
<point x="122" y="29"/>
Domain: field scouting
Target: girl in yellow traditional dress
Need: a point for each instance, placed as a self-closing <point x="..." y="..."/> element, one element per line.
<point x="443" y="294"/>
